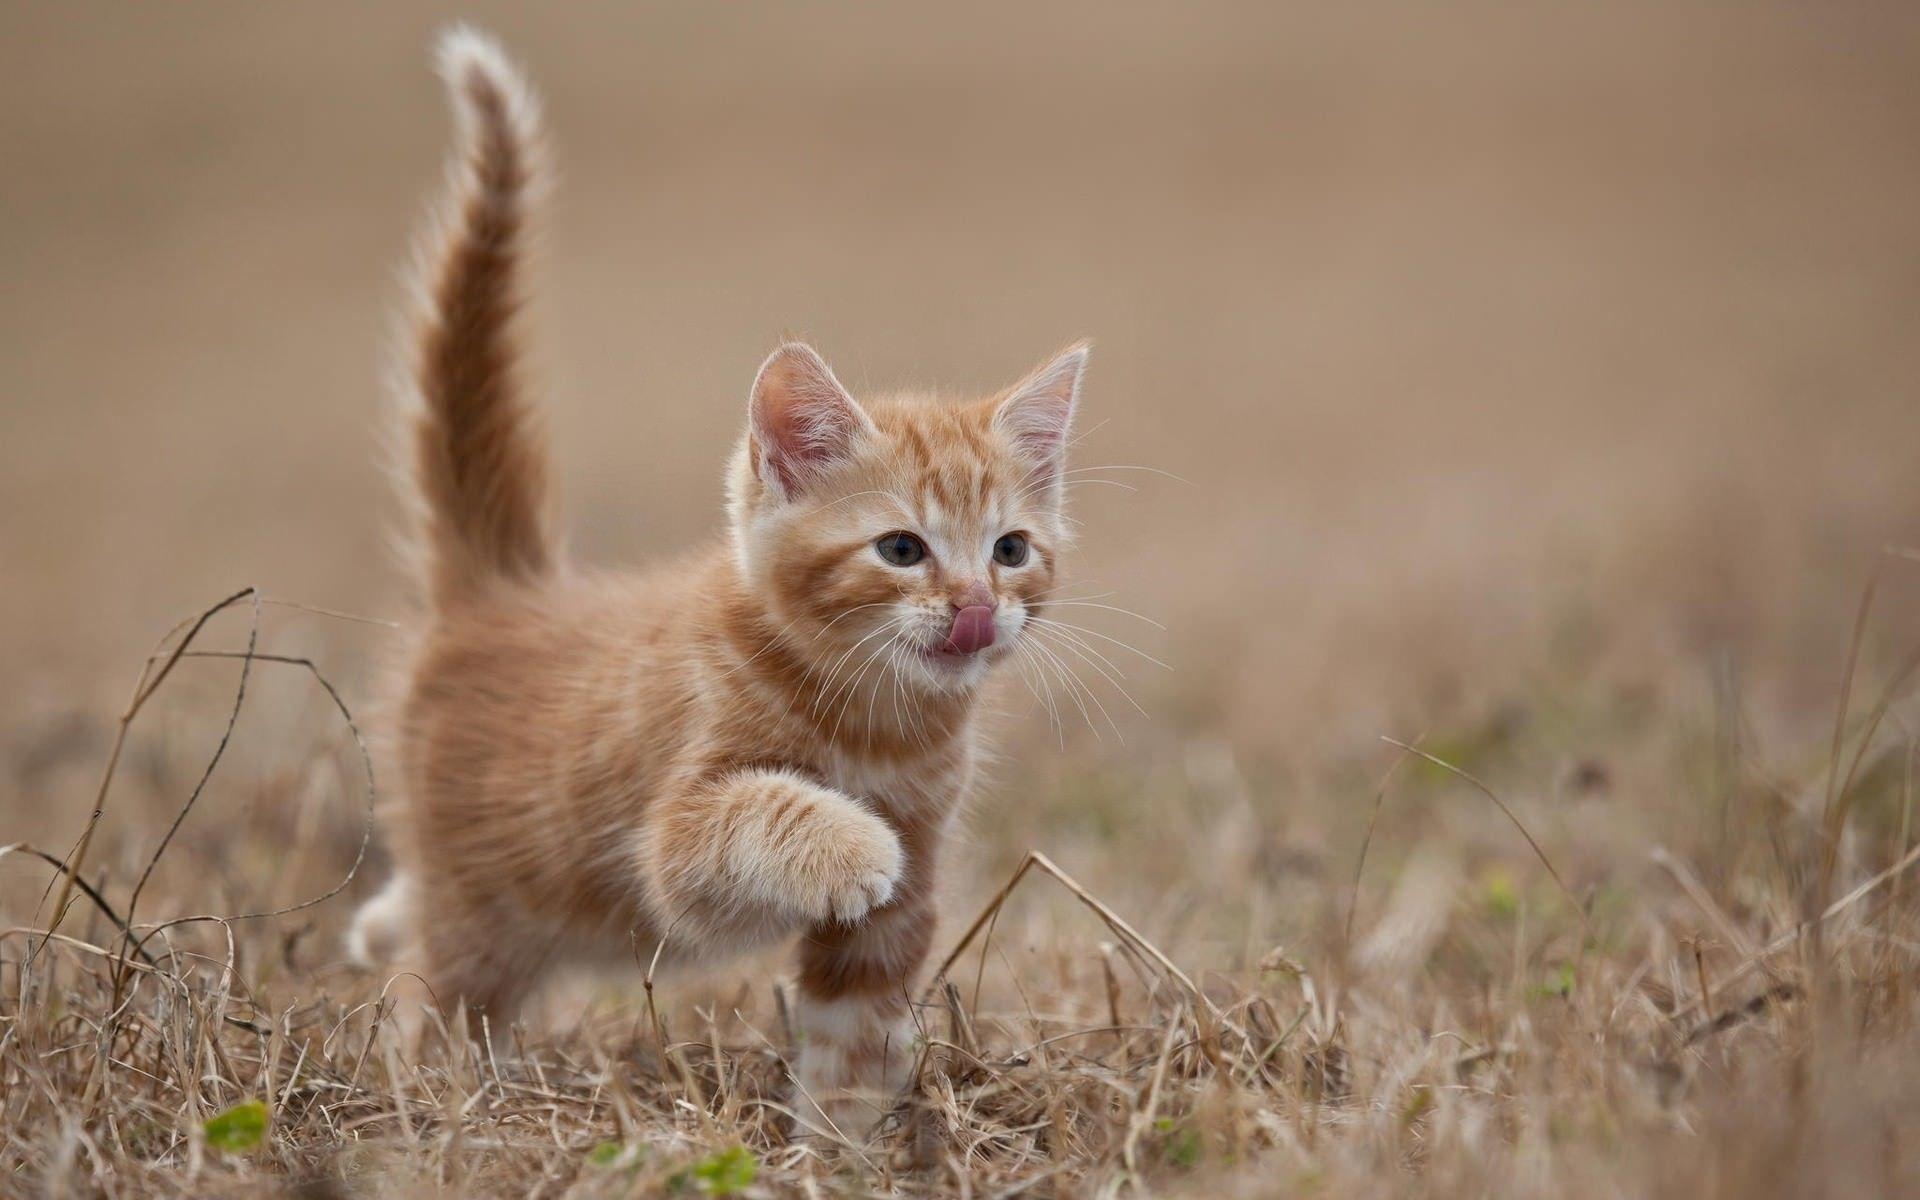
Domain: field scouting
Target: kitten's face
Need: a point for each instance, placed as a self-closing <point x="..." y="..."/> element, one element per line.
<point x="902" y="539"/>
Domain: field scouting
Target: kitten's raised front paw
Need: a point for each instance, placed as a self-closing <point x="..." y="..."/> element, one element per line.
<point x="819" y="855"/>
<point x="846" y="863"/>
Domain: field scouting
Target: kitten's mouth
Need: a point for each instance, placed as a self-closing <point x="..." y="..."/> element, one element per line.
<point x="948" y="655"/>
<point x="971" y="633"/>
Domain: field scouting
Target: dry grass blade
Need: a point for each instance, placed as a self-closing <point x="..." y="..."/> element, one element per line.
<point x="1366" y="841"/>
<point x="1113" y="920"/>
<point x="1579" y="909"/>
<point x="1832" y="812"/>
<point x="1754" y="961"/>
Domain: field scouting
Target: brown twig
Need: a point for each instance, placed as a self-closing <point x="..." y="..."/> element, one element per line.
<point x="148" y="682"/>
<point x="86" y="889"/>
<point x="213" y="762"/>
<point x="366" y="829"/>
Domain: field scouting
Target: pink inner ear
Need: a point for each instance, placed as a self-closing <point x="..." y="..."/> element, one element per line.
<point x="1036" y="416"/>
<point x="802" y="438"/>
<point x="802" y="418"/>
<point x="1039" y="425"/>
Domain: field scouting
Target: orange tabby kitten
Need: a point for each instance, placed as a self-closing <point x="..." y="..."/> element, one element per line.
<point x="765" y="739"/>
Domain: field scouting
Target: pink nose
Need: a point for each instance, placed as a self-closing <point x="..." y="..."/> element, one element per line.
<point x="972" y="629"/>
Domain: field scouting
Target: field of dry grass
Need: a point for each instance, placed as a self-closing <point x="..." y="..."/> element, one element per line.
<point x="1537" y="391"/>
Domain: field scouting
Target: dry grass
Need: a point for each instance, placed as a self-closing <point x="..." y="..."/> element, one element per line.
<point x="1546" y="379"/>
<point x="1514" y="997"/>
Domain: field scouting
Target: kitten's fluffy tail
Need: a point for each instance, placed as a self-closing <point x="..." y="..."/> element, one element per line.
<point x="478" y="460"/>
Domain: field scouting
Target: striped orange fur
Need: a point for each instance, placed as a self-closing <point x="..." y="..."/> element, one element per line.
<point x="765" y="740"/>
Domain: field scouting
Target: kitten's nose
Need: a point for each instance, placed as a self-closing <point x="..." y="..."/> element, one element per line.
<point x="972" y="620"/>
<point x="973" y="594"/>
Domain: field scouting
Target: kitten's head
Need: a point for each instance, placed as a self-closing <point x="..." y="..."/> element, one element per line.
<point x="904" y="537"/>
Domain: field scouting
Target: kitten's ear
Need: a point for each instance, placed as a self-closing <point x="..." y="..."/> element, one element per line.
<point x="801" y="421"/>
<point x="1038" y="412"/>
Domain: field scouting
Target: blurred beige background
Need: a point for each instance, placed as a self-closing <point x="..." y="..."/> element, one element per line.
<point x="1473" y="329"/>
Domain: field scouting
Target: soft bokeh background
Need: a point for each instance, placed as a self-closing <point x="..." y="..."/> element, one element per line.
<point x="1451" y="318"/>
<point x="1541" y="379"/>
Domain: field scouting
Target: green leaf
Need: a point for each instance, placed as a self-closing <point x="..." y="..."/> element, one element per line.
<point x="1419" y="1100"/>
<point x="1497" y="893"/>
<point x="1183" y="1146"/>
<point x="726" y="1172"/>
<point x="1559" y="985"/>
<point x="1563" y="982"/>
<point x="238" y="1129"/>
<point x="606" y="1154"/>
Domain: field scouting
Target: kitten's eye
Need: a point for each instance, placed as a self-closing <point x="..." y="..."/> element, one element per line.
<point x="901" y="549"/>
<point x="1010" y="550"/>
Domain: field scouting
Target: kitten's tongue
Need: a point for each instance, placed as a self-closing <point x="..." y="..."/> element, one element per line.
<point x="972" y="630"/>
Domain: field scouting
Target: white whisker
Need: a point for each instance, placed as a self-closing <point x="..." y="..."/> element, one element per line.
<point x="1113" y="608"/>
<point x="851" y="691"/>
<point x="1077" y="688"/>
<point x="1022" y="656"/>
<point x="1112" y="680"/>
<point x="1114" y="641"/>
<point x="857" y="495"/>
<point x="834" y="670"/>
<point x="1073" y="634"/>
<point x="1133" y="467"/>
<point x="843" y="616"/>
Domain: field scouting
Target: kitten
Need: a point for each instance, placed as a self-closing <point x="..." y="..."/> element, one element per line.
<point x="767" y="738"/>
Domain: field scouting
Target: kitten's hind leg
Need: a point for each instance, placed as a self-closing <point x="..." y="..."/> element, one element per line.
<point x="383" y="924"/>
<point x="758" y="854"/>
<point x="483" y="960"/>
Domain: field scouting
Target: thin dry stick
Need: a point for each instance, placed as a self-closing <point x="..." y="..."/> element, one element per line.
<point x="143" y="688"/>
<point x="1700" y="969"/>
<point x="366" y="827"/>
<point x="86" y="889"/>
<point x="980" y="922"/>
<point x="980" y="968"/>
<point x="149" y="683"/>
<point x="1113" y="921"/>
<point x="1734" y="1016"/>
<point x="206" y="775"/>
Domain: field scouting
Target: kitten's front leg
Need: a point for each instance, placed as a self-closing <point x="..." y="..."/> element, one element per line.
<point x="757" y="854"/>
<point x="857" y="1046"/>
